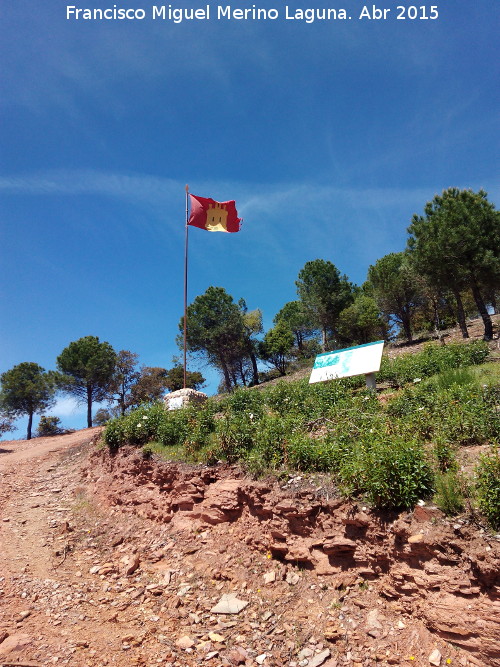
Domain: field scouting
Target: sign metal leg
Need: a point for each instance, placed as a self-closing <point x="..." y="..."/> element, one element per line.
<point x="371" y="384"/>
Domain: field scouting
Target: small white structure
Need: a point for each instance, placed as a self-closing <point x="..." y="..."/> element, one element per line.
<point x="183" y="397"/>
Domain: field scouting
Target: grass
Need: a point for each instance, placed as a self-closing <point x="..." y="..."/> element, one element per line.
<point x="488" y="374"/>
<point x="167" y="454"/>
<point x="450" y="493"/>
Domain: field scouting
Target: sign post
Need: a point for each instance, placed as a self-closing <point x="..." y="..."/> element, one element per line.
<point x="359" y="360"/>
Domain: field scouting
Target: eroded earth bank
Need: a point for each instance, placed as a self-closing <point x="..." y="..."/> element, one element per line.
<point x="119" y="560"/>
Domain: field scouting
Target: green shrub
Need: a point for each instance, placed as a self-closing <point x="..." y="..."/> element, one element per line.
<point x="101" y="417"/>
<point x="114" y="434"/>
<point x="458" y="415"/>
<point x="6" y="424"/>
<point x="49" y="426"/>
<point x="174" y="426"/>
<point x="396" y="473"/>
<point x="467" y="415"/>
<point x="287" y="397"/>
<point x="449" y="492"/>
<point x="199" y="429"/>
<point x="389" y="471"/>
<point x="272" y="439"/>
<point x="136" y="428"/>
<point x="433" y="359"/>
<point x="234" y="437"/>
<point x="242" y="400"/>
<point x="462" y="377"/>
<point x="444" y="453"/>
<point x="488" y="487"/>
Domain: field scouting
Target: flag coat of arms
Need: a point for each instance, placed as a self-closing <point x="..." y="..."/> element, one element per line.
<point x="214" y="216"/>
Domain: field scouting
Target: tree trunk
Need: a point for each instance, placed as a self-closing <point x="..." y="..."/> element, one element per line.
<point x="121" y="401"/>
<point x="225" y="372"/>
<point x="242" y="372"/>
<point x="405" y="321"/>
<point x="89" y="406"/>
<point x="461" y="314"/>
<point x="494" y="304"/>
<point x="30" y="424"/>
<point x="323" y="339"/>
<point x="254" y="368"/>
<point x="483" y="311"/>
<point x="435" y="308"/>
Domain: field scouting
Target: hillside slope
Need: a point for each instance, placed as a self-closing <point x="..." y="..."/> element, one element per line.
<point x="121" y="561"/>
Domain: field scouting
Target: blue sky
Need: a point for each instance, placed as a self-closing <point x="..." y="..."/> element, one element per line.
<point x="328" y="135"/>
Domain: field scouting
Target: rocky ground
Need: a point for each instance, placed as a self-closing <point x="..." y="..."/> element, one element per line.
<point x="125" y="561"/>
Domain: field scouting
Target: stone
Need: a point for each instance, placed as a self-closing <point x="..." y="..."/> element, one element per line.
<point x="185" y="642"/>
<point x="319" y="658"/>
<point x="361" y="520"/>
<point x="332" y="633"/>
<point x="130" y="564"/>
<point x="339" y="545"/>
<point x="216" y="637"/>
<point x="270" y="577"/>
<point x="14" y="643"/>
<point x="416" y="539"/>
<point x="435" y="658"/>
<point x="373" y="624"/>
<point x="212" y="654"/>
<point x="23" y="615"/>
<point x="292" y="578"/>
<point x="238" y="656"/>
<point x="204" y="646"/>
<point x="422" y="513"/>
<point x="305" y="653"/>
<point x="299" y="553"/>
<point x="373" y="619"/>
<point x="260" y="659"/>
<point x="229" y="604"/>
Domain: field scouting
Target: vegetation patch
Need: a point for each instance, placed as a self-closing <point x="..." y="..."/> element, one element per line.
<point x="392" y="453"/>
<point x="488" y="487"/>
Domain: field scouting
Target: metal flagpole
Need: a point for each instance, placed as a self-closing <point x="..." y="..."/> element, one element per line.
<point x="186" y="281"/>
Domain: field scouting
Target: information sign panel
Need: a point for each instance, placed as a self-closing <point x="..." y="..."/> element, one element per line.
<point x="359" y="360"/>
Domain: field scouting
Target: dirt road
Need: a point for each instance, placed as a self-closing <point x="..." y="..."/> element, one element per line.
<point x="15" y="451"/>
